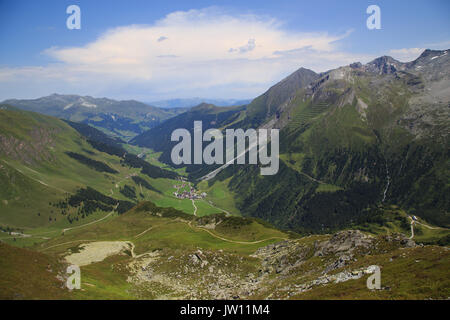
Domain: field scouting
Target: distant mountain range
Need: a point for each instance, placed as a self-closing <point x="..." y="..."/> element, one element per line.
<point x="192" y="102"/>
<point x="124" y="119"/>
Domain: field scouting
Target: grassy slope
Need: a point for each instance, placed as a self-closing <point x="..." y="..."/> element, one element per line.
<point x="415" y="273"/>
<point x="165" y="232"/>
<point x="219" y="194"/>
<point x="27" y="188"/>
<point x="107" y="279"/>
<point x="21" y="279"/>
<point x="396" y="220"/>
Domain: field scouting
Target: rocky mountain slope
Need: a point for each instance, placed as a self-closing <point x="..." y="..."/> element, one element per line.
<point x="357" y="137"/>
<point x="351" y="138"/>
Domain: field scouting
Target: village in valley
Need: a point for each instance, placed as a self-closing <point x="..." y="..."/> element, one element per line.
<point x="184" y="190"/>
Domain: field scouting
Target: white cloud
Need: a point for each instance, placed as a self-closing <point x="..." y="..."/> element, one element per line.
<point x="187" y="53"/>
<point x="248" y="47"/>
<point x="406" y="54"/>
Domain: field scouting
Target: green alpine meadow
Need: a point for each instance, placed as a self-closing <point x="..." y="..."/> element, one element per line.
<point x="94" y="206"/>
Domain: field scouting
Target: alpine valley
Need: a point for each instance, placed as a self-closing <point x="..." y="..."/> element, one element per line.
<point x="363" y="180"/>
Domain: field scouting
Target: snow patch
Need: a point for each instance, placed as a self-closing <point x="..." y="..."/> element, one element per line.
<point x="68" y="106"/>
<point x="435" y="57"/>
<point x="88" y="105"/>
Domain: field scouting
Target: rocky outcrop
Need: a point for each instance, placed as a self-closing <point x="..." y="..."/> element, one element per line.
<point x="344" y="243"/>
<point x="291" y="266"/>
<point x="281" y="257"/>
<point x="36" y="149"/>
<point x="384" y="65"/>
<point x="401" y="240"/>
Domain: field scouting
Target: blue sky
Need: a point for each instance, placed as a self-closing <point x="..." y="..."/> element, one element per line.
<point x="213" y="49"/>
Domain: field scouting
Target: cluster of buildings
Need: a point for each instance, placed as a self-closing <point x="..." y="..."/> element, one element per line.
<point x="190" y="193"/>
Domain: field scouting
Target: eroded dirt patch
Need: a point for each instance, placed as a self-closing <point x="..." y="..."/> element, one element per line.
<point x="97" y="251"/>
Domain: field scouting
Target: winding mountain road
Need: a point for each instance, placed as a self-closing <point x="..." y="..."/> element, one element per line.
<point x="195" y="207"/>
<point x="422" y="224"/>
<point x="412" y="229"/>
<point x="92" y="222"/>
<point x="229" y="240"/>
